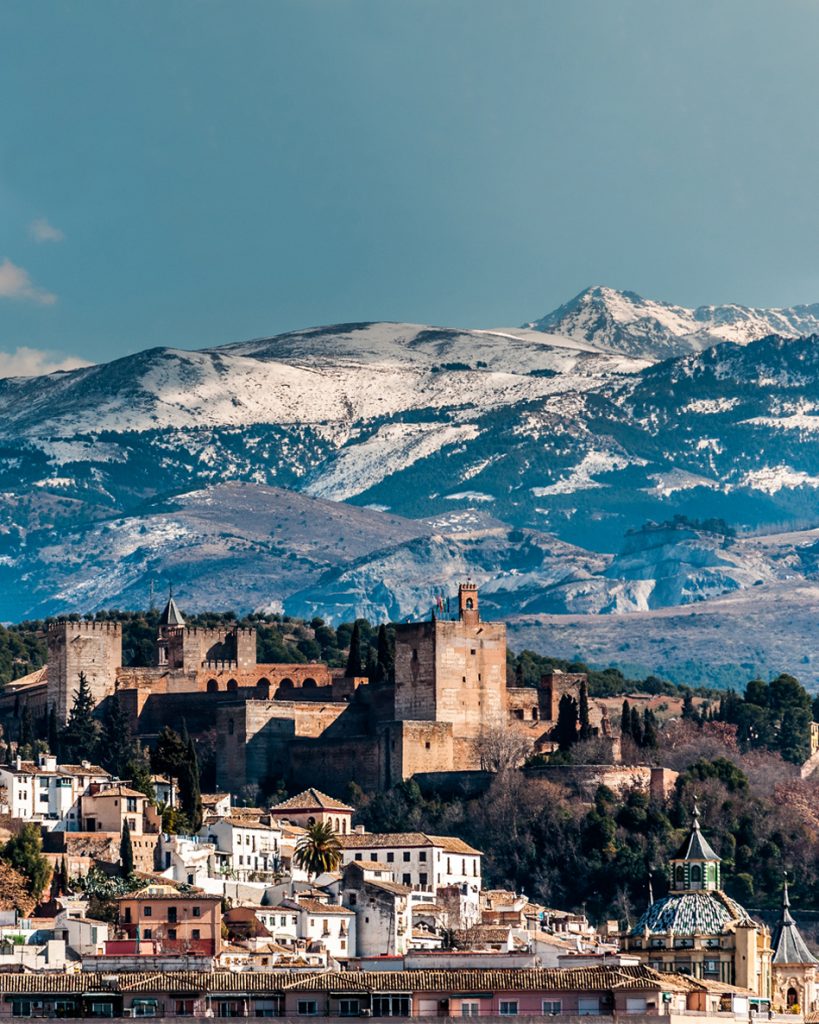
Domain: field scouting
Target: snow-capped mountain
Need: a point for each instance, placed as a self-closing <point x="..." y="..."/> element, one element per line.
<point x="523" y="455"/>
<point x="644" y="328"/>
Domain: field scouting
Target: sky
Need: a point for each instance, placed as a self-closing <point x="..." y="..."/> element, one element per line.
<point x="194" y="173"/>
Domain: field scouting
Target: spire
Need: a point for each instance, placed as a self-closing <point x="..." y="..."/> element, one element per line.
<point x="789" y="947"/>
<point x="171" y="616"/>
<point x="696" y="865"/>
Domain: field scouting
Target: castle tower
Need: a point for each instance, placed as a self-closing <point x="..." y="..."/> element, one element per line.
<point x="794" y="968"/>
<point x="468" y="604"/>
<point x="696" y="867"/>
<point x="169" y="641"/>
<point x="453" y="672"/>
<point x="94" y="648"/>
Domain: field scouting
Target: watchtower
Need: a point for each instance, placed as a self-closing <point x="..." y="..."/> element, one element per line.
<point x="93" y="648"/>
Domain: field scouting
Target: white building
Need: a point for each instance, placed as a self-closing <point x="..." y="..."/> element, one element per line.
<point x="383" y="910"/>
<point x="331" y="925"/>
<point x="424" y="863"/>
<point x="244" y="849"/>
<point x="46" y="792"/>
<point x="187" y="859"/>
<point x="282" y="921"/>
<point x="82" y="935"/>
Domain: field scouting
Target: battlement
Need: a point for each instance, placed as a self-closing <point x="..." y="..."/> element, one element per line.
<point x="70" y="626"/>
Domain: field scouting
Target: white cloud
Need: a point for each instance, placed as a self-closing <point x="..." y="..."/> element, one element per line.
<point x="33" y="362"/>
<point x="41" y="231"/>
<point x="16" y="284"/>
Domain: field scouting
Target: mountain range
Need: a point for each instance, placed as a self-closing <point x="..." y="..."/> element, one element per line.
<point x="365" y="468"/>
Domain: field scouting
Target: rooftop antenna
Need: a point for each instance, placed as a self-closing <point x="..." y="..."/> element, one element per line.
<point x="151" y="598"/>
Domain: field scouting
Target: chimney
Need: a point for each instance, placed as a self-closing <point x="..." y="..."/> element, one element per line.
<point x="359" y="830"/>
<point x="19" y="762"/>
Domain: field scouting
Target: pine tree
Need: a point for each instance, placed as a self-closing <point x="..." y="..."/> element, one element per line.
<point x="625" y="720"/>
<point x="24" y="852"/>
<point x="636" y="728"/>
<point x="138" y="771"/>
<point x="566" y="728"/>
<point x="583" y="713"/>
<point x="79" y="738"/>
<point x="63" y="876"/>
<point x="170" y="752"/>
<point x="53" y="733"/>
<point x="126" y="852"/>
<point x="354" y="667"/>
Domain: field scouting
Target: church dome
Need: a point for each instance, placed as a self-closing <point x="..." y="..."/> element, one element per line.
<point x="686" y="914"/>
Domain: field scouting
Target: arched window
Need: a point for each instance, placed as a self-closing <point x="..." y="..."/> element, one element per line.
<point x="679" y="874"/>
<point x="285" y="689"/>
<point x="311" y="820"/>
<point x="263" y="688"/>
<point x="230" y="727"/>
<point x="470" y="604"/>
<point x="309" y="684"/>
<point x="696" y="874"/>
<point x="792" y="997"/>
<point x="213" y="686"/>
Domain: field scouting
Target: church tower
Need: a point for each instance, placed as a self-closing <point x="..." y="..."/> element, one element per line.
<point x="696" y="867"/>
<point x="169" y="641"/>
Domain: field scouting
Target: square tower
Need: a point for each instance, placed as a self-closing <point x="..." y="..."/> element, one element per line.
<point x="94" y="648"/>
<point x="452" y="671"/>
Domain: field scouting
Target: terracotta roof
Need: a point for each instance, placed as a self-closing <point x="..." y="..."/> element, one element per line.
<point x="210" y="799"/>
<point x="381" y="840"/>
<point x="316" y="907"/>
<point x="637" y="978"/>
<point x="118" y="790"/>
<point x="245" y="823"/>
<point x="312" y="800"/>
<point x="396" y="888"/>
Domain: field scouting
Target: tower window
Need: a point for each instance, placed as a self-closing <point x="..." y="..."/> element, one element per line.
<point x="470" y="604"/>
<point x="696" y="873"/>
<point x="415" y="654"/>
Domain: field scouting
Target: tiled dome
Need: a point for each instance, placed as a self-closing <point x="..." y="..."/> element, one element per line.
<point x="691" y="913"/>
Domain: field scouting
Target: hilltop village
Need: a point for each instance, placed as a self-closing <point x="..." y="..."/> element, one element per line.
<point x="132" y="893"/>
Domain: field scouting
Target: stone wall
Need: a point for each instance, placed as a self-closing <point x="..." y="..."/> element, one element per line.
<point x="94" y="648"/>
<point x="657" y="782"/>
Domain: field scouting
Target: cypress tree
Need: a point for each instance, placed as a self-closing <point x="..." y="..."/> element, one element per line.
<point x="190" y="796"/>
<point x="636" y="727"/>
<point x="566" y="728"/>
<point x="688" y="709"/>
<point x="625" y="720"/>
<point x="26" y="728"/>
<point x="117" y="746"/>
<point x="126" y="852"/>
<point x="385" y="662"/>
<point x="649" y="729"/>
<point x="585" y="727"/>
<point x="63" y="876"/>
<point x="53" y="733"/>
<point x="354" y="667"/>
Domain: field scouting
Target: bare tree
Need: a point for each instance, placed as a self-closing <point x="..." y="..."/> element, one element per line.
<point x="500" y="748"/>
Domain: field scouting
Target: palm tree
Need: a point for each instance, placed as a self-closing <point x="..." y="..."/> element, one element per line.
<point x="318" y="850"/>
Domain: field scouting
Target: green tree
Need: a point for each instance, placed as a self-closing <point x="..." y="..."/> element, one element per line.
<point x="636" y="727"/>
<point x="385" y="658"/>
<point x="566" y="728"/>
<point x="190" y="795"/>
<point x="170" y="752"/>
<point x="63" y="876"/>
<point x="318" y="850"/>
<point x="625" y="720"/>
<point x="25" y="854"/>
<point x="689" y="712"/>
<point x="583" y="712"/>
<point x="649" y="729"/>
<point x="126" y="852"/>
<point x="117" y="743"/>
<point x="78" y="741"/>
<point x="354" y="665"/>
<point x="26" y="729"/>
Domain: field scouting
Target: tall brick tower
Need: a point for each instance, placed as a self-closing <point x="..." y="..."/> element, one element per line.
<point x="453" y="671"/>
<point x="94" y="648"/>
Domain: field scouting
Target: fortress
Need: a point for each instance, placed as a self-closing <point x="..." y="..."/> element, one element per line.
<point x="307" y="723"/>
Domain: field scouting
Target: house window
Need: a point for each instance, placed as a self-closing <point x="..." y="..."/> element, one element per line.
<point x="588" y="1006"/>
<point x="635" y="1004"/>
<point x="470" y="1009"/>
<point x="552" y="1007"/>
<point x="353" y="899"/>
<point x="148" y="933"/>
<point x="147" y="911"/>
<point x="422" y="878"/>
<point x="348" y="1008"/>
<point x="197" y="911"/>
<point x="268" y="1007"/>
<point x="144" y="1008"/>
<point x="172" y="915"/>
<point x="358" y="856"/>
<point x="127" y="918"/>
<point x="172" y="934"/>
<point x="406" y="879"/>
<point x="196" y="934"/>
<point x="184" y="1007"/>
<point x="308" y="1008"/>
<point x="406" y="856"/>
<point x="508" y="1007"/>
<point x="373" y="856"/>
<point x="390" y="857"/>
<point x="230" y="1008"/>
<point x="131" y="804"/>
<point x="422" y="855"/>
<point x="391" y="1006"/>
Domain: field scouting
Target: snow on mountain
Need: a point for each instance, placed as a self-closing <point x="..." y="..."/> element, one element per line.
<point x="645" y="328"/>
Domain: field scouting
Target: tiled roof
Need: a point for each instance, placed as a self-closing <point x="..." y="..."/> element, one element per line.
<point x="691" y="913"/>
<point x="381" y="840"/>
<point x="396" y="888"/>
<point x="311" y="800"/>
<point x="246" y="823"/>
<point x="118" y="790"/>
<point x="171" y="616"/>
<point x="789" y="947"/>
<point x="637" y="978"/>
<point x="317" y="907"/>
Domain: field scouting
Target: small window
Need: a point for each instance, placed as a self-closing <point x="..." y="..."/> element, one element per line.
<point x="348" y="1008"/>
<point x="406" y="856"/>
<point x="172" y="934"/>
<point x="407" y="880"/>
<point x="196" y="934"/>
<point x="588" y="1006"/>
<point x="415" y="654"/>
<point x="359" y="856"/>
<point x="390" y="858"/>
<point x="508" y="1007"/>
<point x="551" y="1007"/>
<point x="147" y="911"/>
<point x="422" y="855"/>
<point x="148" y="933"/>
<point x="197" y="911"/>
<point x="470" y="1009"/>
<point x="308" y="1008"/>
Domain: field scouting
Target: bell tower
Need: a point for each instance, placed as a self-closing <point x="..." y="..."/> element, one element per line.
<point x="696" y="866"/>
<point x="468" y="604"/>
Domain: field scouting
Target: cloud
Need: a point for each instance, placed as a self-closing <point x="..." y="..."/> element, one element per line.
<point x="16" y="284"/>
<point x="33" y="362"/>
<point x="41" y="231"/>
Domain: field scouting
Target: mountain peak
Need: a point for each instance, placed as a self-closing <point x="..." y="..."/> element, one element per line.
<point x="626" y="322"/>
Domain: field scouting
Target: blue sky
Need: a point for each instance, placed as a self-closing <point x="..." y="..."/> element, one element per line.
<point x="194" y="173"/>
